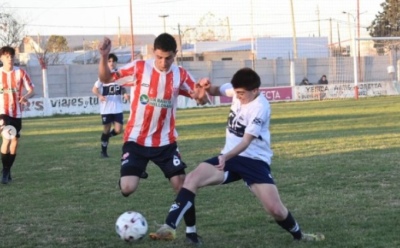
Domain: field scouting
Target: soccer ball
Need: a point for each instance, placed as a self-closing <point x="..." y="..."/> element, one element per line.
<point x="131" y="226"/>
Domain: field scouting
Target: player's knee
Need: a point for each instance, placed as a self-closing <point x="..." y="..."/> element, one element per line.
<point x="278" y="211"/>
<point x="126" y="189"/>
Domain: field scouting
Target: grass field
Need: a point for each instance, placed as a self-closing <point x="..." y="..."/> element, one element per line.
<point x="336" y="164"/>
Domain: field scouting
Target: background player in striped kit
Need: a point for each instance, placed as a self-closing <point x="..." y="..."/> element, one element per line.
<point x="150" y="133"/>
<point x="12" y="82"/>
<point x="111" y="106"/>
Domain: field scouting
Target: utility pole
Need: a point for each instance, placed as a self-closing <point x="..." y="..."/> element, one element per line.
<point x="330" y="38"/>
<point x="163" y="17"/>
<point x="358" y="41"/>
<point x="252" y="37"/>
<point x="293" y="31"/>
<point x="132" y="40"/>
<point x="319" y="22"/>
<point x="338" y="35"/>
<point x="180" y="41"/>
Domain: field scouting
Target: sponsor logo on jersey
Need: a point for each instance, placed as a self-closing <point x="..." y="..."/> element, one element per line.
<point x="163" y="103"/>
<point x="257" y="121"/>
<point x="144" y="99"/>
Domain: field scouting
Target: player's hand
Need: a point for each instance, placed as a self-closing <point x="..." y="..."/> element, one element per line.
<point x="221" y="165"/>
<point x="105" y="46"/>
<point x="205" y="83"/>
<point x="23" y="100"/>
<point x="200" y="91"/>
<point x="102" y="98"/>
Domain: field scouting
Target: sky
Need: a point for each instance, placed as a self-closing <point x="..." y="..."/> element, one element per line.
<point x="244" y="18"/>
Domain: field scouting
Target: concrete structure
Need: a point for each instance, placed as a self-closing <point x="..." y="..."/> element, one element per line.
<point x="282" y="47"/>
<point x="78" y="80"/>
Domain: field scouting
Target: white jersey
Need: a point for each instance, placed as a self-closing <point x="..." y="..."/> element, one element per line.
<point x="251" y="118"/>
<point x="113" y="94"/>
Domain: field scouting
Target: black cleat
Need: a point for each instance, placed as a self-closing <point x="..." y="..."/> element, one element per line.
<point x="104" y="155"/>
<point x="193" y="239"/>
<point x="5" y="177"/>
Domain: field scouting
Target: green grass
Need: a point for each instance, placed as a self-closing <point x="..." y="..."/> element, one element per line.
<point x="336" y="164"/>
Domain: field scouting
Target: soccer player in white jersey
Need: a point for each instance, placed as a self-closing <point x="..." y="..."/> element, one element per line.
<point x="12" y="82"/>
<point x="150" y="133"/>
<point x="111" y="106"/>
<point x="246" y="155"/>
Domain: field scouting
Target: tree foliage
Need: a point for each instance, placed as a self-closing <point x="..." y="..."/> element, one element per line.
<point x="11" y="31"/>
<point x="211" y="28"/>
<point x="386" y="24"/>
<point x="387" y="21"/>
<point x="49" y="52"/>
<point x="56" y="44"/>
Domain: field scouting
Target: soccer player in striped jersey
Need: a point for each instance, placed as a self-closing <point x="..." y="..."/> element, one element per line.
<point x="150" y="133"/>
<point x="246" y="156"/>
<point x="111" y="106"/>
<point x="12" y="82"/>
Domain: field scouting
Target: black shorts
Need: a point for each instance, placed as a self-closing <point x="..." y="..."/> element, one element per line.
<point x="110" y="118"/>
<point x="6" y="120"/>
<point x="250" y="170"/>
<point x="135" y="158"/>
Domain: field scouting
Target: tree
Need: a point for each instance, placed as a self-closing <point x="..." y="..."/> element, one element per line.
<point x="211" y="28"/>
<point x="57" y="44"/>
<point x="11" y="31"/>
<point x="386" y="24"/>
<point x="48" y="53"/>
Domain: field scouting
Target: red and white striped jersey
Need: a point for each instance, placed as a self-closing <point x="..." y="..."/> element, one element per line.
<point x="11" y="84"/>
<point x="154" y="97"/>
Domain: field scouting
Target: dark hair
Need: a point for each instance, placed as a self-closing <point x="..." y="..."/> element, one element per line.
<point x="113" y="57"/>
<point x="246" y="78"/>
<point x="165" y="42"/>
<point x="7" y="49"/>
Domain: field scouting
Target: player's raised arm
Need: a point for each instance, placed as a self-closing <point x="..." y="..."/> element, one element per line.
<point x="104" y="70"/>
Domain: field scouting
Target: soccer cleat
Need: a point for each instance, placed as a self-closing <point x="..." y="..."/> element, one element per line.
<point x="194" y="239"/>
<point x="312" y="237"/>
<point x="103" y="155"/>
<point x="5" y="177"/>
<point x="9" y="176"/>
<point x="165" y="232"/>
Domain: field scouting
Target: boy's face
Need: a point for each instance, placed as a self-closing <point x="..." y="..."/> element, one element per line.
<point x="246" y="96"/>
<point x="7" y="60"/>
<point x="112" y="64"/>
<point x="163" y="60"/>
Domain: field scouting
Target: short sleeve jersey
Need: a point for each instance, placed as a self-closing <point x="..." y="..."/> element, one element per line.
<point x="251" y="118"/>
<point x="113" y="94"/>
<point x="154" y="96"/>
<point x="11" y="86"/>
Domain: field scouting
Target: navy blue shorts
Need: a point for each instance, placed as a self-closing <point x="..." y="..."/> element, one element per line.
<point x="110" y="118"/>
<point x="6" y="120"/>
<point x="250" y="170"/>
<point x="135" y="158"/>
